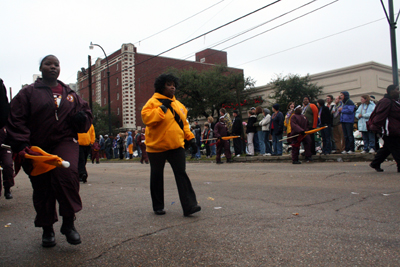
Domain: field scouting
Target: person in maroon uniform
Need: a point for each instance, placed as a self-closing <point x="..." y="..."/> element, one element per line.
<point x="142" y="138"/>
<point x="48" y="114"/>
<point x="299" y="125"/>
<point x="221" y="130"/>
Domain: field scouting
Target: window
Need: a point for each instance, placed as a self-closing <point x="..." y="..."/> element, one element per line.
<point x="117" y="96"/>
<point x="118" y="111"/>
<point x="117" y="81"/>
<point x="105" y="101"/>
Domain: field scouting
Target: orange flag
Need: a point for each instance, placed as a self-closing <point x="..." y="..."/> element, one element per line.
<point x="45" y="162"/>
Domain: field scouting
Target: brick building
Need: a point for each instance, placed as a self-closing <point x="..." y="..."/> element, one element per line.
<point x="132" y="78"/>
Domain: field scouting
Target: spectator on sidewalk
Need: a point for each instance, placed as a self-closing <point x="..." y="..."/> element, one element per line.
<point x="347" y="120"/>
<point x="277" y="130"/>
<point x="325" y="119"/>
<point x="259" y="132"/>
<point x="363" y="113"/>
<point x="237" y="130"/>
<point x="266" y="128"/>
<point x="337" y="126"/>
<point x="250" y="131"/>
<point x="310" y="110"/>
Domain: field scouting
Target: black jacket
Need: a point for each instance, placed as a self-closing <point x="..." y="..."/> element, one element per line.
<point x="325" y="118"/>
<point x="237" y="127"/>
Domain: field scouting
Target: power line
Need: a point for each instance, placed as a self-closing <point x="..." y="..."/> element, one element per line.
<point x="138" y="42"/>
<point x="252" y="28"/>
<point x="201" y="35"/>
<point x="316" y="40"/>
<point x="308" y="13"/>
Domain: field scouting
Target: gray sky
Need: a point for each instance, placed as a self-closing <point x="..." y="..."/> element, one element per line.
<point x="32" y="29"/>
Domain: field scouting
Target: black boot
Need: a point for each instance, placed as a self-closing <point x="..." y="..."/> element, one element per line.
<point x="7" y="193"/>
<point x="48" y="239"/>
<point x="68" y="229"/>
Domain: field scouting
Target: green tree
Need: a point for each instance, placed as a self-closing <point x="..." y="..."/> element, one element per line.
<point x="293" y="88"/>
<point x="205" y="92"/>
<point x="100" y="119"/>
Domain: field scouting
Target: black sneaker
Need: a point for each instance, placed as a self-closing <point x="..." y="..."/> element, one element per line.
<point x="296" y="162"/>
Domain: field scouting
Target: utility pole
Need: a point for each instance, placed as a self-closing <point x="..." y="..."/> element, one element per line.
<point x="392" y="24"/>
<point x="10" y="94"/>
<point x="90" y="82"/>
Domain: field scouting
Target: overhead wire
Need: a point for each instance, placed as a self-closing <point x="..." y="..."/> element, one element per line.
<point x="310" y="42"/>
<point x="195" y="38"/>
<point x="138" y="42"/>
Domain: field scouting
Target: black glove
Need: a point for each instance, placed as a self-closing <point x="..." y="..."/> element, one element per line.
<point x="164" y="108"/>
<point x="18" y="148"/>
<point x="302" y="133"/>
<point x="79" y="121"/>
<point x="192" y="144"/>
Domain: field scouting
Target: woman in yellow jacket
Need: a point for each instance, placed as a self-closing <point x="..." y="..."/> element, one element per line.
<point x="85" y="141"/>
<point x="166" y="132"/>
<point x="288" y="116"/>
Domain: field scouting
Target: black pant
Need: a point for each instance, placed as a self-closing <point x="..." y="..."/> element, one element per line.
<point x="176" y="158"/>
<point x="237" y="145"/>
<point x="391" y="146"/>
<point x="83" y="155"/>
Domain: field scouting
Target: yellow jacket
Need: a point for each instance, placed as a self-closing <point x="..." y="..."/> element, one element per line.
<point x="287" y="123"/>
<point x="86" y="139"/>
<point x="162" y="131"/>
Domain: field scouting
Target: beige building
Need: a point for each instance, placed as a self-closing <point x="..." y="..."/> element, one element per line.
<point x="368" y="78"/>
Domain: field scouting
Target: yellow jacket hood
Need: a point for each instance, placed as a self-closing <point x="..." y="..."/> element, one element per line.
<point x="162" y="131"/>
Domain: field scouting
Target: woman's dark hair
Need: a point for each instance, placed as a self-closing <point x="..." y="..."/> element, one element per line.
<point x="161" y="80"/>
<point x="321" y="102"/>
<point x="43" y="59"/>
<point x="259" y="110"/>
<point x="290" y="103"/>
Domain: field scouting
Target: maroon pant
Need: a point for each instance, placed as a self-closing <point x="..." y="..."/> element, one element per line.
<point x="58" y="184"/>
<point x="6" y="162"/>
<point x="144" y="153"/>
<point x="223" y="144"/>
<point x="296" y="148"/>
<point x="95" y="155"/>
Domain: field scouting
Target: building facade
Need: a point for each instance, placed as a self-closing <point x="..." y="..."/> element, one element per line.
<point x="369" y="78"/>
<point x="132" y="77"/>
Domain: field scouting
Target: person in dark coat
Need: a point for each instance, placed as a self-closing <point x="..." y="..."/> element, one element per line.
<point x="386" y="122"/>
<point x="4" y="105"/>
<point x="7" y="164"/>
<point x="325" y="119"/>
<point x="277" y="130"/>
<point x="299" y="125"/>
<point x="48" y="114"/>
<point x="237" y="129"/>
<point x="221" y="130"/>
<point x="250" y="131"/>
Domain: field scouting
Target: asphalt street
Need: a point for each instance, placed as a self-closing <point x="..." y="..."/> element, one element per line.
<point x="253" y="214"/>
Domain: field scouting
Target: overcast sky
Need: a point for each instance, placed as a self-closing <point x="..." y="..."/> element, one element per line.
<point x="329" y="38"/>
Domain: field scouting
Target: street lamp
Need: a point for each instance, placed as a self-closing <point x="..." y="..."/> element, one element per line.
<point x="108" y="86"/>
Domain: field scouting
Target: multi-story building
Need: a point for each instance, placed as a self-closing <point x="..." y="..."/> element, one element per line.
<point x="132" y="78"/>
